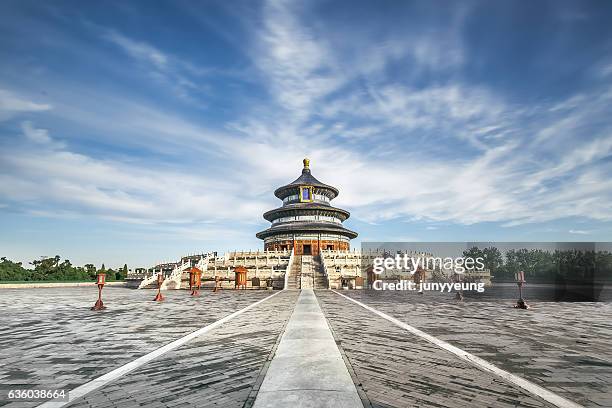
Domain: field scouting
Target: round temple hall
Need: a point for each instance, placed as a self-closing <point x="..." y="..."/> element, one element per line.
<point x="307" y="222"/>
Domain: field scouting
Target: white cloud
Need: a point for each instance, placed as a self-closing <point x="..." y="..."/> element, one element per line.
<point x="43" y="174"/>
<point x="379" y="141"/>
<point x="492" y="188"/>
<point x="177" y="76"/>
<point x="35" y="135"/>
<point x="510" y="164"/>
<point x="419" y="51"/>
<point x="434" y="107"/>
<point x="299" y="65"/>
<point x="138" y="50"/>
<point x="605" y="70"/>
<point x="40" y="136"/>
<point x="12" y="104"/>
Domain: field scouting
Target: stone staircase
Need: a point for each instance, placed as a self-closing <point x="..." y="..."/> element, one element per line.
<point x="174" y="280"/>
<point x="295" y="274"/>
<point x="149" y="282"/>
<point x="307" y="273"/>
<point x="320" y="280"/>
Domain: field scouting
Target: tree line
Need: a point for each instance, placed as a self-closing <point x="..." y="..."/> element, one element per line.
<point x="542" y="265"/>
<point x="55" y="269"/>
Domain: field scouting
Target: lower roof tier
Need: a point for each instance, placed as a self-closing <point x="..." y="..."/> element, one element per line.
<point x="306" y="227"/>
<point x="306" y="209"/>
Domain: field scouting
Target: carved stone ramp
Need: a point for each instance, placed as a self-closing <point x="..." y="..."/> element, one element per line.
<point x="307" y="369"/>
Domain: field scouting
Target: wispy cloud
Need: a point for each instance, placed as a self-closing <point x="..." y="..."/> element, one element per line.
<point x="12" y="104"/>
<point x="139" y="50"/>
<point x="39" y="136"/>
<point x="300" y="66"/>
<point x="177" y="75"/>
<point x="450" y="151"/>
<point x="42" y="171"/>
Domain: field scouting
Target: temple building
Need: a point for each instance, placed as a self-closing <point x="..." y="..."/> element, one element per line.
<point x="306" y="223"/>
<point x="306" y="246"/>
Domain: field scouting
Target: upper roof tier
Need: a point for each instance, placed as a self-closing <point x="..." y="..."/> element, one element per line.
<point x="306" y="179"/>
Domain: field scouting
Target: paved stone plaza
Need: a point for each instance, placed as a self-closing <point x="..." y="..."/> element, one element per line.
<point x="50" y="339"/>
<point x="564" y="347"/>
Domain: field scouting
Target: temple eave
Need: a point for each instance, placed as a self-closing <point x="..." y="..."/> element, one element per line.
<point x="282" y="191"/>
<point x="313" y="228"/>
<point x="305" y="208"/>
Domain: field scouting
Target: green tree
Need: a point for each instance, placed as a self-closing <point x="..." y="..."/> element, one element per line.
<point x="44" y="268"/>
<point x="474" y="252"/>
<point x="12" y="271"/>
<point x="493" y="259"/>
<point x="122" y="273"/>
<point x="54" y="269"/>
<point x="90" y="269"/>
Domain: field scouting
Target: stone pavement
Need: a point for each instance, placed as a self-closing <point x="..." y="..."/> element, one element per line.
<point x="397" y="369"/>
<point x="50" y="338"/>
<point x="307" y="369"/>
<point x="564" y="347"/>
<point x="218" y="369"/>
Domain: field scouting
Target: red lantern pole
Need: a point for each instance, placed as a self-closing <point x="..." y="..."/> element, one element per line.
<point x="160" y="280"/>
<point x="191" y="280"/>
<point x="217" y="284"/>
<point x="520" y="281"/>
<point x="458" y="278"/>
<point x="101" y="281"/>
<point x="195" y="280"/>
<point x="240" y="277"/>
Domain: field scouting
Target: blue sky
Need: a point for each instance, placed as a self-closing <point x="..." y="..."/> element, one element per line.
<point x="141" y="131"/>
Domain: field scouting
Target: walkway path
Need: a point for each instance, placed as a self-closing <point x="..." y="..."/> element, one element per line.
<point x="307" y="369"/>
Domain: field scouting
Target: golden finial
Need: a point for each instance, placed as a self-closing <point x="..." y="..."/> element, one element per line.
<point x="306" y="163"/>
